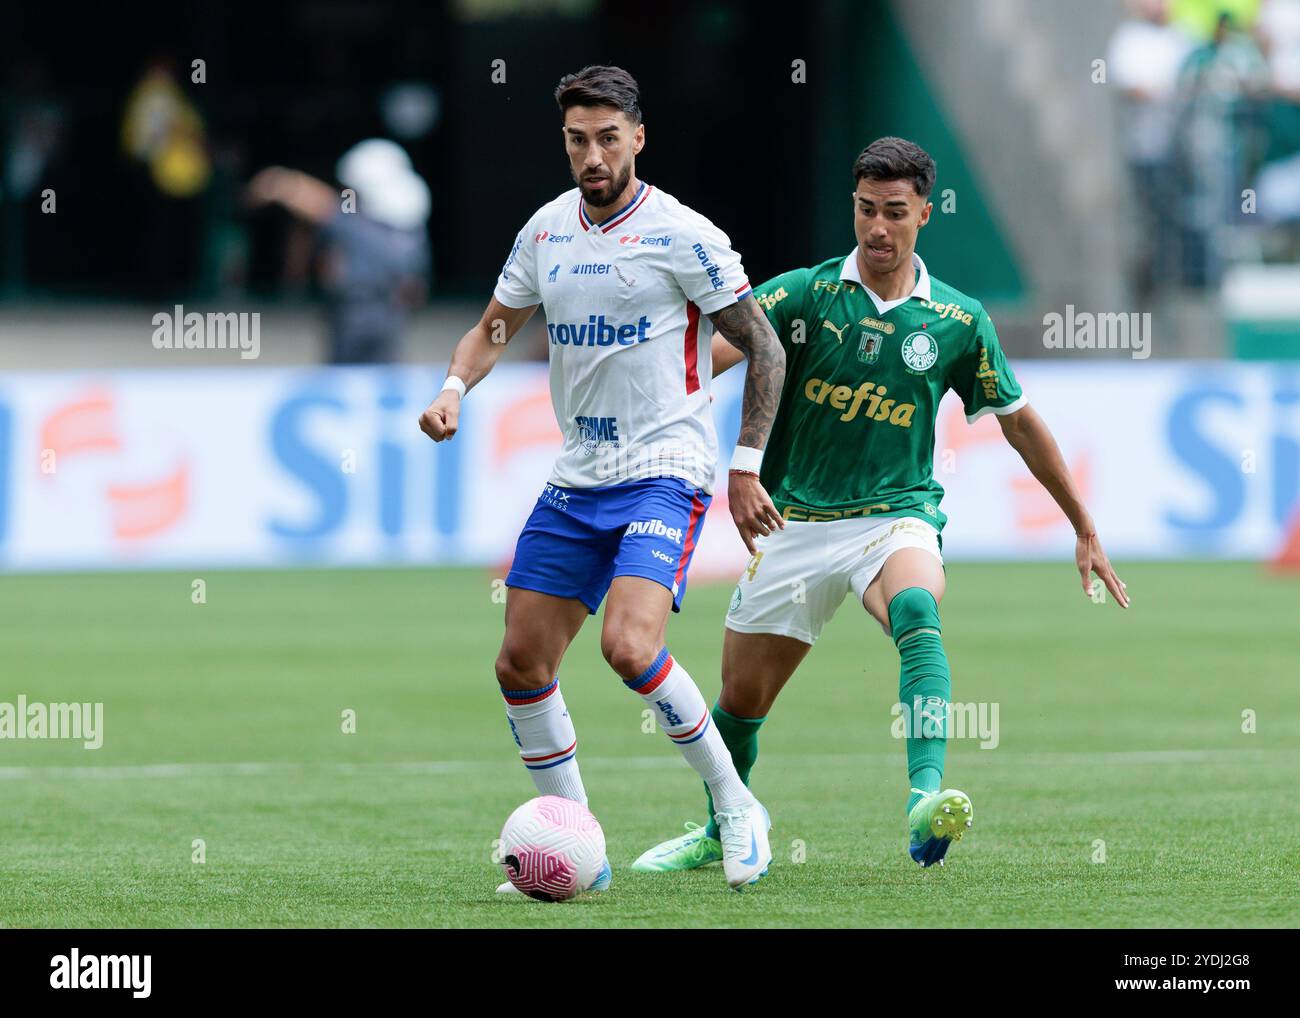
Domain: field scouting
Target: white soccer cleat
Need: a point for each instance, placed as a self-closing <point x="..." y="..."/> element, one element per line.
<point x="746" y="853"/>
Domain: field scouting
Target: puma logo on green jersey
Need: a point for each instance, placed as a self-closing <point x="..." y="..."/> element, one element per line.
<point x="839" y="333"/>
<point x="878" y="408"/>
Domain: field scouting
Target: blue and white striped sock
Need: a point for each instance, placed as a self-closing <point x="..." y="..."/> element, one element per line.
<point x="668" y="690"/>
<point x="547" y="741"/>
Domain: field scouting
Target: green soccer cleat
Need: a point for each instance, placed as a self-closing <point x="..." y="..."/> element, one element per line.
<point x="936" y="822"/>
<point x="691" y="851"/>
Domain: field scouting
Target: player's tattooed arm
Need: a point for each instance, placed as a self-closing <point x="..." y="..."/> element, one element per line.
<point x="473" y="358"/>
<point x="1027" y="433"/>
<point x="725" y="356"/>
<point x="748" y="330"/>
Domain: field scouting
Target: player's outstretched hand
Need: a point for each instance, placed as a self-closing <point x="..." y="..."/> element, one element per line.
<point x="1090" y="558"/>
<point x="753" y="511"/>
<point x="439" y="421"/>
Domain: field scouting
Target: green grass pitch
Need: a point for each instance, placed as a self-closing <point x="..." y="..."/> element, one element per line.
<point x="222" y="722"/>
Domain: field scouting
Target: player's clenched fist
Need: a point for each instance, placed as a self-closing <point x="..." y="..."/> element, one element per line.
<point x="439" y="420"/>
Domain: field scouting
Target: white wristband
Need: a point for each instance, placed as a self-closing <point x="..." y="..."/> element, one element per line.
<point x="747" y="459"/>
<point x="453" y="382"/>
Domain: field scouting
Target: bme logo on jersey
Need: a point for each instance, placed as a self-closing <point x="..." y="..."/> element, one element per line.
<point x="594" y="432"/>
<point x="598" y="332"/>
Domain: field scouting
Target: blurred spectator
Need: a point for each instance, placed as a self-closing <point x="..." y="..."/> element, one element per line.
<point x="33" y="136"/>
<point x="1278" y="29"/>
<point x="1144" y="58"/>
<point x="164" y="136"/>
<point x="376" y="244"/>
<point x="1217" y="92"/>
<point x="1200" y="18"/>
<point x="1278" y="183"/>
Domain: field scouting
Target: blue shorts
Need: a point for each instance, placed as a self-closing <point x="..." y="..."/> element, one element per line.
<point x="578" y="539"/>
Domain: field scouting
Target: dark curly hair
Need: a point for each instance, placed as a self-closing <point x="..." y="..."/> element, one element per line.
<point x="600" y="86"/>
<point x="896" y="159"/>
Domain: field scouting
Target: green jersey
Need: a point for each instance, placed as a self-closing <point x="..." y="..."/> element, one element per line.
<point x="854" y="431"/>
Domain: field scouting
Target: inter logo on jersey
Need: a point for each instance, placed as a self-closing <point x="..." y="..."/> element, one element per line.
<point x="920" y="351"/>
<point x="550" y="276"/>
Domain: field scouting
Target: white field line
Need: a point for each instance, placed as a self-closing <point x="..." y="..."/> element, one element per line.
<point x="1123" y="758"/>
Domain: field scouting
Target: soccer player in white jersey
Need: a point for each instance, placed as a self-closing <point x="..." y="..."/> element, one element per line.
<point x="632" y="282"/>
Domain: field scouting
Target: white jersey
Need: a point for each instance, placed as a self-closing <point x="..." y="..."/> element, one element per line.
<point x="625" y="303"/>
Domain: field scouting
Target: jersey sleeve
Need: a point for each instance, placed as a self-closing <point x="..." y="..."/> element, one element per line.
<point x="517" y="285"/>
<point x="707" y="269"/>
<point x="983" y="377"/>
<point x="782" y="300"/>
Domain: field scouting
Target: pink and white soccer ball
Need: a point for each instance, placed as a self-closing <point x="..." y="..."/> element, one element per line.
<point x="552" y="848"/>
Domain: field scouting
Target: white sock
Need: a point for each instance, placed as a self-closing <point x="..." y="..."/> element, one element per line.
<point x="548" y="744"/>
<point x="671" y="693"/>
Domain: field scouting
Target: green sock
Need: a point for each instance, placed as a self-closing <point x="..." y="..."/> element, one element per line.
<point x="741" y="737"/>
<point x="924" y="686"/>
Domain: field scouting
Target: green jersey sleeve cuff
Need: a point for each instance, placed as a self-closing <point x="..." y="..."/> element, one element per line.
<point x="1010" y="408"/>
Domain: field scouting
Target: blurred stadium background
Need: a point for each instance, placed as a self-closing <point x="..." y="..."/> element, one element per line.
<point x="1109" y="158"/>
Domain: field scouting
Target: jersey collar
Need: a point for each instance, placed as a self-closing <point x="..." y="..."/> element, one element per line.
<point x="849" y="272"/>
<point x="621" y="216"/>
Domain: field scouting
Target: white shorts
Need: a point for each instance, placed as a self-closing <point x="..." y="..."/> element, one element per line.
<point x="800" y="575"/>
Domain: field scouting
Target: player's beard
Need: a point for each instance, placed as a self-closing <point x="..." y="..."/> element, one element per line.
<point x="604" y="195"/>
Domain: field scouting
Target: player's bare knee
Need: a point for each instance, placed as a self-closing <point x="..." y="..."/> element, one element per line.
<point x="629" y="655"/>
<point x="745" y="702"/>
<point x="519" y="670"/>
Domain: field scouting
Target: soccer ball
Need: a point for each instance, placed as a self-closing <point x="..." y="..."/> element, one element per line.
<point x="552" y="848"/>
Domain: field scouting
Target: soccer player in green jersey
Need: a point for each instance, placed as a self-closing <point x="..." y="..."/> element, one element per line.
<point x="872" y="342"/>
